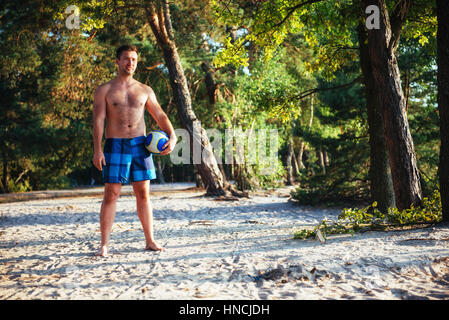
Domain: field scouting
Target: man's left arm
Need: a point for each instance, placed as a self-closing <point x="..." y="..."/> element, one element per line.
<point x="162" y="120"/>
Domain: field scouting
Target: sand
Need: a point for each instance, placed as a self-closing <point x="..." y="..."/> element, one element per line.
<point x="221" y="250"/>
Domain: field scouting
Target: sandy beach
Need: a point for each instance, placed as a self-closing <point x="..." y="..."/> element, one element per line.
<point x="214" y="250"/>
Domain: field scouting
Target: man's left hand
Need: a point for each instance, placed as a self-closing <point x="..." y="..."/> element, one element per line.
<point x="169" y="146"/>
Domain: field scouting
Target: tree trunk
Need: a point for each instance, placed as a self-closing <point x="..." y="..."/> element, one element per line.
<point x="5" y="180"/>
<point x="160" y="22"/>
<point x="311" y="113"/>
<point x="302" y="145"/>
<point x="289" y="163"/>
<point x="296" y="172"/>
<point x="300" y="155"/>
<point x="243" y="177"/>
<point x="211" y="86"/>
<point x="380" y="176"/>
<point x="160" y="171"/>
<point x="382" y="44"/>
<point x="407" y="90"/>
<point x="198" y="181"/>
<point x="443" y="101"/>
<point x="322" y="164"/>
<point x="209" y="80"/>
<point x="326" y="159"/>
<point x="320" y="160"/>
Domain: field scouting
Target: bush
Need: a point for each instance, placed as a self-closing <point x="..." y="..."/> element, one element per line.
<point x="22" y="186"/>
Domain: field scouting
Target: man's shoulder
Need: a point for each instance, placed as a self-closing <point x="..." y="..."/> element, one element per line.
<point x="104" y="87"/>
<point x="145" y="87"/>
<point x="106" y="84"/>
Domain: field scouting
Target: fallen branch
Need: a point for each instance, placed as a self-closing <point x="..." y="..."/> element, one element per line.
<point x="426" y="239"/>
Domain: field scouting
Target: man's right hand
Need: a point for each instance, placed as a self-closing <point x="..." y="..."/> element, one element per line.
<point x="99" y="160"/>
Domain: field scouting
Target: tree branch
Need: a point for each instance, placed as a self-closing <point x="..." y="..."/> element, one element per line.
<point x="167" y="18"/>
<point x="309" y="92"/>
<point x="397" y="19"/>
<point x="21" y="175"/>
<point x="154" y="66"/>
<point x="154" y="23"/>
<point x="162" y="23"/>
<point x="293" y="9"/>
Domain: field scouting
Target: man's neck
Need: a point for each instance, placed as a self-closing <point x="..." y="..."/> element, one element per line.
<point x="125" y="78"/>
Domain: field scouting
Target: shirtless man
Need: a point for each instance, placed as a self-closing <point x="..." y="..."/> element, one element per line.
<point x="122" y="103"/>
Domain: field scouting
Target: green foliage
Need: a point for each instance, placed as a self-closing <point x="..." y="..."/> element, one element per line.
<point x="417" y="64"/>
<point x="421" y="23"/>
<point x="18" y="187"/>
<point x="329" y="28"/>
<point x="370" y="218"/>
<point x="270" y="175"/>
<point x="259" y="102"/>
<point x="324" y="228"/>
<point x="93" y="14"/>
<point x="48" y="74"/>
<point x="339" y="128"/>
<point x="330" y="34"/>
<point x="324" y="25"/>
<point x="428" y="212"/>
<point x="235" y="53"/>
<point x="267" y="86"/>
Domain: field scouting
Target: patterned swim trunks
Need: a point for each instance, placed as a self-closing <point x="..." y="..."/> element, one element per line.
<point x="127" y="160"/>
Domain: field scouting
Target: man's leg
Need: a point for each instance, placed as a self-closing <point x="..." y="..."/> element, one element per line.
<point x="107" y="214"/>
<point x="145" y="212"/>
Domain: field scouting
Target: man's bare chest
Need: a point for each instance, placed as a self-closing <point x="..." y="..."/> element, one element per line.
<point x="126" y="99"/>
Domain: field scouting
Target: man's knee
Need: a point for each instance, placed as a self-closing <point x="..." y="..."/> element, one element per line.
<point x="142" y="194"/>
<point x="111" y="194"/>
<point x="142" y="190"/>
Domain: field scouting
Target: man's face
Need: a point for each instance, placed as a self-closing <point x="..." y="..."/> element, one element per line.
<point x="128" y="62"/>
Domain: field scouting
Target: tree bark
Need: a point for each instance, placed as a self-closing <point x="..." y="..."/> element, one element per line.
<point x="382" y="44"/>
<point x="326" y="158"/>
<point x="290" y="178"/>
<point x="160" y="170"/>
<point x="380" y="176"/>
<point x="443" y="101"/>
<point x="300" y="155"/>
<point x="296" y="172"/>
<point x="311" y="113"/>
<point x="302" y="145"/>
<point x="5" y="180"/>
<point x="407" y="90"/>
<point x="160" y="23"/>
<point x="211" y="86"/>
<point x="320" y="160"/>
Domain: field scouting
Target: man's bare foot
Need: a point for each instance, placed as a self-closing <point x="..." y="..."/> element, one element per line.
<point x="102" y="252"/>
<point x="153" y="246"/>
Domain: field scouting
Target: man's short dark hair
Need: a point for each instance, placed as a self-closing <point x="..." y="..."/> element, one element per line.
<point x="126" y="47"/>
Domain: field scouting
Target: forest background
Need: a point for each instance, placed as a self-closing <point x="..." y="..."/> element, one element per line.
<point x="308" y="69"/>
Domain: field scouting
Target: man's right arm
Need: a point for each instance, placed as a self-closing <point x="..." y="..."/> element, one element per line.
<point x="99" y="116"/>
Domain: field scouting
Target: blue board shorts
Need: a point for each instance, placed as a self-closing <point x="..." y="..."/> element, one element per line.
<point x="127" y="160"/>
